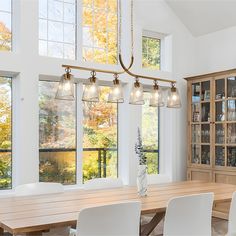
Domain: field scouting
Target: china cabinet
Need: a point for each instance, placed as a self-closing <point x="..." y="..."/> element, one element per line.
<point x="212" y="129"/>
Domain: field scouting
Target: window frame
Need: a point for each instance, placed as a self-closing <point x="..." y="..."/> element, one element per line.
<point x="157" y="36"/>
<point x="147" y="89"/>
<point x="80" y="134"/>
<point x="11" y="132"/>
<point x="12" y="25"/>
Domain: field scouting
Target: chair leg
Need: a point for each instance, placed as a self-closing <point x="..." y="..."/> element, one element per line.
<point x="148" y="228"/>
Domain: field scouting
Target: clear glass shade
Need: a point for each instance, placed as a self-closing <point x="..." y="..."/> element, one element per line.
<point x="91" y="92"/>
<point x="116" y="94"/>
<point x="136" y="96"/>
<point x="173" y="98"/>
<point x="66" y="88"/>
<point x="157" y="97"/>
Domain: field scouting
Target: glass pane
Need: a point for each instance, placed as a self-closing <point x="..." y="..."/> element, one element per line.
<point x="205" y="154"/>
<point x="57" y="136"/>
<point x="5" y="5"/>
<point x="5" y="31"/>
<point x="220" y="111"/>
<point x="231" y="133"/>
<point x="69" y="51"/>
<point x="55" y="49"/>
<point x="196" y="112"/>
<point x="43" y="29"/>
<point x="219" y="156"/>
<point x="196" y="93"/>
<point x="5" y="134"/>
<point x="99" y="20"/>
<point x="205" y="112"/>
<point x="219" y="134"/>
<point x="55" y="10"/>
<point x="195" y="154"/>
<point x="231" y="85"/>
<point x="231" y="156"/>
<point x="205" y="95"/>
<point x="55" y="31"/>
<point x="100" y="138"/>
<point x="220" y="89"/>
<point x="43" y="48"/>
<point x="196" y="134"/>
<point x="69" y="33"/>
<point x="69" y="13"/>
<point x="43" y="8"/>
<point x="205" y="134"/>
<point x="231" y="110"/>
<point x="150" y="135"/>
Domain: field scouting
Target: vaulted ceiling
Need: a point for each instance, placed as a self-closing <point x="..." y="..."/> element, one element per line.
<point x="205" y="16"/>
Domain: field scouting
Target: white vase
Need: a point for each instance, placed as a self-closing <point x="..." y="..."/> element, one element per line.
<point x="142" y="180"/>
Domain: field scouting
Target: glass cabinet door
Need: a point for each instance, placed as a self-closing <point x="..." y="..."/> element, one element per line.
<point x="200" y="123"/>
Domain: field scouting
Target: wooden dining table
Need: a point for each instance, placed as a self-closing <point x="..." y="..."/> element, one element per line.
<point x="33" y="215"/>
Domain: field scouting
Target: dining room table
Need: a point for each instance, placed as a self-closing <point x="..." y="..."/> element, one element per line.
<point x="33" y="215"/>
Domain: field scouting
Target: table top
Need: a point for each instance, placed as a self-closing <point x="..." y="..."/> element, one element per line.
<point x="42" y="212"/>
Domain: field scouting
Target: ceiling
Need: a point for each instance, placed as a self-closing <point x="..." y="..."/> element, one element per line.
<point x="205" y="16"/>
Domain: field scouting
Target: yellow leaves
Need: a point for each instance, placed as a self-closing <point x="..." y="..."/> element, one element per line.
<point x="87" y="17"/>
<point x="5" y="38"/>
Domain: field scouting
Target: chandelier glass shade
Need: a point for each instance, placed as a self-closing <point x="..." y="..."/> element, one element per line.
<point x="91" y="90"/>
<point x="173" y="98"/>
<point x="136" y="95"/>
<point x="66" y="89"/>
<point x="157" y="96"/>
<point x="116" y="94"/>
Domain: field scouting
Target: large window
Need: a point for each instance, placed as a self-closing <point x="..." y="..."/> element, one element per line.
<point x="100" y="31"/>
<point x="57" y="136"/>
<point x="58" y="146"/>
<point x="5" y="25"/>
<point x="100" y="138"/>
<point x="151" y="51"/>
<point x="57" y="28"/>
<point x="150" y="135"/>
<point x="5" y="133"/>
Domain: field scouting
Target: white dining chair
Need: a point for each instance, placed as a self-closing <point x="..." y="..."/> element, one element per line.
<point x="118" y="219"/>
<point x="189" y="215"/>
<point x="43" y="189"/>
<point x="38" y="189"/>
<point x="103" y="183"/>
<point x="232" y="217"/>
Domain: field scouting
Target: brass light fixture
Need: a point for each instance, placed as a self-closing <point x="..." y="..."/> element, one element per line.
<point x="157" y="97"/>
<point x="66" y="89"/>
<point x="91" y="91"/>
<point x="173" y="99"/>
<point x="136" y="96"/>
<point x="116" y="94"/>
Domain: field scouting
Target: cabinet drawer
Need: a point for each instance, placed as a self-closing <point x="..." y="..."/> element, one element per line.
<point x="200" y="174"/>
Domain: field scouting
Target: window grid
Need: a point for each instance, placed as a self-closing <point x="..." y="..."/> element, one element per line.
<point x="62" y="42"/>
<point x="3" y="42"/>
<point x="149" y="57"/>
<point x="92" y="27"/>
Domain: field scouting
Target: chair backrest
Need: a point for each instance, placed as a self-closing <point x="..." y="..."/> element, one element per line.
<point x="189" y="215"/>
<point x="232" y="216"/>
<point x="103" y="183"/>
<point x="116" y="220"/>
<point x="38" y="189"/>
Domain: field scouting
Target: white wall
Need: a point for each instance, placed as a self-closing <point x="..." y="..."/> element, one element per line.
<point x="216" y="51"/>
<point x="29" y="66"/>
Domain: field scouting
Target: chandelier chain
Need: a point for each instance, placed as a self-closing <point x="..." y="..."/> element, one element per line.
<point x="132" y="26"/>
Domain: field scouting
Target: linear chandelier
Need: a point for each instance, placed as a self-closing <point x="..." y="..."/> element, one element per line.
<point x="91" y="90"/>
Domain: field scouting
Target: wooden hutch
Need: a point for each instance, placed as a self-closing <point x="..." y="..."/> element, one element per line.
<point x="212" y="130"/>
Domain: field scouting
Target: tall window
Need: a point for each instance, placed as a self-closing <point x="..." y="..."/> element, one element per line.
<point x="57" y="130"/>
<point x="100" y="138"/>
<point x="5" y="133"/>
<point x="57" y="28"/>
<point x="151" y="50"/>
<point x="5" y="25"/>
<point x="150" y="133"/>
<point x="57" y="136"/>
<point x="100" y="31"/>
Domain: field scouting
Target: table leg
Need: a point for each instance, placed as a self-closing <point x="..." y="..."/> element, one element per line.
<point x="149" y="227"/>
<point x="1" y="231"/>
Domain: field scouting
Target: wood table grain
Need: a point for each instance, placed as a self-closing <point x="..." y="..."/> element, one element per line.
<point x="34" y="214"/>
